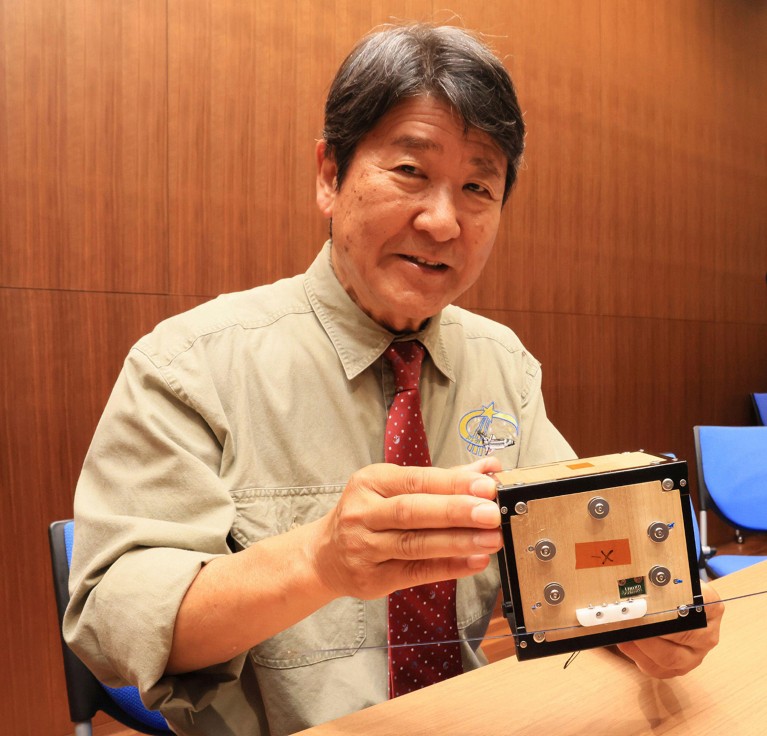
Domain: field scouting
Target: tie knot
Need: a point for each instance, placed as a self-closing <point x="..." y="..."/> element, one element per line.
<point x="405" y="359"/>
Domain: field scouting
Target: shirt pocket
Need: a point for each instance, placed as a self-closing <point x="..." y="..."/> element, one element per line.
<point x="337" y="629"/>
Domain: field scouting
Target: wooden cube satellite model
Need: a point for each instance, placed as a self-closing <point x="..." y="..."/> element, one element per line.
<point x="597" y="551"/>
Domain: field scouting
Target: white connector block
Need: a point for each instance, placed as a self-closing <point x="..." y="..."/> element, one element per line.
<point x="609" y="613"/>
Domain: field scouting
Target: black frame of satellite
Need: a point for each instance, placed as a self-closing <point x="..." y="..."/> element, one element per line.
<point x="646" y="474"/>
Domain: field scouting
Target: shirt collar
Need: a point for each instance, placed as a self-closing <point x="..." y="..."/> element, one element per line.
<point x="359" y="340"/>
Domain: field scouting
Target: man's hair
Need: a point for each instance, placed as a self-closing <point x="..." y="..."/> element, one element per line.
<point x="400" y="62"/>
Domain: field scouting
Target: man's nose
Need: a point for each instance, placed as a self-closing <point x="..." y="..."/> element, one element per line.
<point x="438" y="215"/>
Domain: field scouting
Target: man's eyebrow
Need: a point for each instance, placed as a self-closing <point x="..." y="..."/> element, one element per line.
<point x="486" y="166"/>
<point x="416" y="143"/>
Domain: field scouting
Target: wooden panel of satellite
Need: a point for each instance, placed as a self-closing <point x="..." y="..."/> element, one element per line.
<point x="597" y="551"/>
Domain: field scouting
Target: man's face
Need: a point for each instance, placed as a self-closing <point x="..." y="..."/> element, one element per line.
<point x="417" y="214"/>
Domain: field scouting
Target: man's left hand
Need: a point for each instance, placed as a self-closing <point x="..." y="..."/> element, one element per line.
<point x="677" y="654"/>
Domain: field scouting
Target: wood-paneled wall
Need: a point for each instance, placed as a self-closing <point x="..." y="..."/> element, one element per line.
<point x="154" y="154"/>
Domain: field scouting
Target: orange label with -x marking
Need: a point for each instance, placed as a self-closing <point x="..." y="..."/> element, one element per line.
<point x="602" y="554"/>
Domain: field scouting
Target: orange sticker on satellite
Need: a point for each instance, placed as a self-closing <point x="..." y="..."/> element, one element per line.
<point x="602" y="554"/>
<point x="580" y="466"/>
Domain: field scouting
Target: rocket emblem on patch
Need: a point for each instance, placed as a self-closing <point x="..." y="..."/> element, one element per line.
<point x="486" y="430"/>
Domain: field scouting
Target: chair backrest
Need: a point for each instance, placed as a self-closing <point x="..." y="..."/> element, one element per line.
<point x="732" y="474"/>
<point x="760" y="407"/>
<point x="85" y="693"/>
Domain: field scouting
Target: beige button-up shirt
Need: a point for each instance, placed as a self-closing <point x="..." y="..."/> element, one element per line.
<point x="238" y="420"/>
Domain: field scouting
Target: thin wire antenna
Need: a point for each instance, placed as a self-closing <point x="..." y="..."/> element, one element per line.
<point x="374" y="647"/>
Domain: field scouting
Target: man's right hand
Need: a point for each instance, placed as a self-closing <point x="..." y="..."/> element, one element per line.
<point x="396" y="527"/>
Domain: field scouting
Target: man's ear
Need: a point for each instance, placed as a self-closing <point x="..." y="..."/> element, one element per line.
<point x="326" y="179"/>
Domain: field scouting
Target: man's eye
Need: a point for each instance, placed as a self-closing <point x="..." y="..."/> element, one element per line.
<point x="474" y="187"/>
<point x="408" y="169"/>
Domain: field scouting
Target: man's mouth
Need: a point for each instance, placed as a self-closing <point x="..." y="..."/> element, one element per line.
<point x="436" y="265"/>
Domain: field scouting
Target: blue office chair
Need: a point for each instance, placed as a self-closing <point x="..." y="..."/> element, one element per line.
<point x="760" y="407"/>
<point x="732" y="480"/>
<point x="85" y="693"/>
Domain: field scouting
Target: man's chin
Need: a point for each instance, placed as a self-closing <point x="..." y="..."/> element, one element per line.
<point x="415" y="320"/>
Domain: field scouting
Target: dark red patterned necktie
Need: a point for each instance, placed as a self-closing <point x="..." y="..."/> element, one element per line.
<point x="425" y="613"/>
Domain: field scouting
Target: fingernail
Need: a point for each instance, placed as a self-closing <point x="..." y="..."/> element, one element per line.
<point x="488" y="538"/>
<point x="486" y="514"/>
<point x="483" y="486"/>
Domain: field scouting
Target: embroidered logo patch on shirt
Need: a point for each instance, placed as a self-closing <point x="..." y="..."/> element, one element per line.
<point x="486" y="430"/>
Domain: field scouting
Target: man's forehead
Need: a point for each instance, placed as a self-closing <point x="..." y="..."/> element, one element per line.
<point x="411" y="125"/>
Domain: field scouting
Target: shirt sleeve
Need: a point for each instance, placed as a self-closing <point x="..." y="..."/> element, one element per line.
<point x="150" y="511"/>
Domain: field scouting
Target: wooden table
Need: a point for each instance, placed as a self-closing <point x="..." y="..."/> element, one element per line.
<point x="599" y="693"/>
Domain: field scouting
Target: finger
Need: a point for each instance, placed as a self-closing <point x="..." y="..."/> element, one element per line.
<point x="433" y="544"/>
<point x="392" y="480"/>
<point x="710" y="596"/>
<point x="422" y="572"/>
<point x="487" y="464"/>
<point x="433" y="512"/>
<point x="697" y="641"/>
<point x="671" y="655"/>
<point x="662" y="659"/>
<point x="645" y="663"/>
<point x="708" y="637"/>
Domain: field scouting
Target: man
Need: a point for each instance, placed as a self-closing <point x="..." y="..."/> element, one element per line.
<point x="256" y="423"/>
